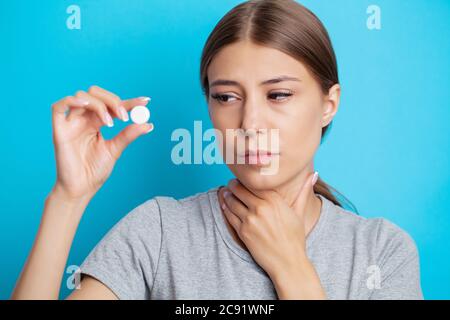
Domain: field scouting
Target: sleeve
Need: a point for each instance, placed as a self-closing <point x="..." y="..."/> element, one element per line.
<point x="399" y="266"/>
<point x="126" y="259"/>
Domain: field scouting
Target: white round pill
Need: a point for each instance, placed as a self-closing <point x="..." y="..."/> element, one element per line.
<point x="140" y="114"/>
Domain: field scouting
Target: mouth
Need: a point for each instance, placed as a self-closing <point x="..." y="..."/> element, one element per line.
<point x="258" y="157"/>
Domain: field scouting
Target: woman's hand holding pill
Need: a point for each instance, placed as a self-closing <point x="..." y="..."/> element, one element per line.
<point x="84" y="161"/>
<point x="84" y="158"/>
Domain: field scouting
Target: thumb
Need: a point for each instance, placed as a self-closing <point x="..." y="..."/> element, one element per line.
<point x="302" y="198"/>
<point x="126" y="136"/>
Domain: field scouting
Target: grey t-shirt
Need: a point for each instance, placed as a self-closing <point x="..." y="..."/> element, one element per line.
<point x="181" y="249"/>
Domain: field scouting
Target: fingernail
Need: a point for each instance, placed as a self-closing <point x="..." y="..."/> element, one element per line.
<point x="150" y="128"/>
<point x="84" y="102"/>
<point x="315" y="177"/>
<point x="226" y="193"/>
<point x="123" y="113"/>
<point x="108" y="120"/>
<point x="146" y="99"/>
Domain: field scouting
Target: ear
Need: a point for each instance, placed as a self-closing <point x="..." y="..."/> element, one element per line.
<point x="331" y="104"/>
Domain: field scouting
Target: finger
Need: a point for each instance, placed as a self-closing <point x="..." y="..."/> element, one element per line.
<point x="60" y="107"/>
<point x="232" y="218"/>
<point x="113" y="101"/>
<point x="235" y="205"/>
<point x="126" y="136"/>
<point x="243" y="194"/>
<point x="301" y="200"/>
<point x="97" y="106"/>
<point x="131" y="103"/>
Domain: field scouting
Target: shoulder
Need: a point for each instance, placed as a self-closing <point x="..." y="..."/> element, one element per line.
<point x="194" y="202"/>
<point x="164" y="208"/>
<point x="143" y="227"/>
<point x="383" y="238"/>
<point x="385" y="257"/>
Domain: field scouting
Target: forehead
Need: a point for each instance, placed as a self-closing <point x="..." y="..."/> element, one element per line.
<point x="245" y="60"/>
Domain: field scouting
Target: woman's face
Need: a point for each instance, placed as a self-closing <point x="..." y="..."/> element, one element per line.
<point x="247" y="100"/>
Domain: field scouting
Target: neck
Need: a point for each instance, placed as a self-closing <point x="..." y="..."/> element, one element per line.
<point x="290" y="190"/>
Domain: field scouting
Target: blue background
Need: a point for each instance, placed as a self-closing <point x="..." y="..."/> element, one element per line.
<point x="388" y="150"/>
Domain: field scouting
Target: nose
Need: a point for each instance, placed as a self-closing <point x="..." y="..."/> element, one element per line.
<point x="253" y="116"/>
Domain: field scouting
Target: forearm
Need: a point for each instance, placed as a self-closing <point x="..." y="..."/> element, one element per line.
<point x="299" y="282"/>
<point x="42" y="274"/>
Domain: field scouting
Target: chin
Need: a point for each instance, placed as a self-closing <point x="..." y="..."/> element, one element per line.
<point x="252" y="178"/>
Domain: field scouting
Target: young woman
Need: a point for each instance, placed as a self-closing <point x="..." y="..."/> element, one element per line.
<point x="266" y="65"/>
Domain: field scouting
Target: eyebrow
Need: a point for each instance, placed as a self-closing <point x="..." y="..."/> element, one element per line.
<point x="224" y="82"/>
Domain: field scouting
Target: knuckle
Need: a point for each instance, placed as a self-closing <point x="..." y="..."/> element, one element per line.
<point x="232" y="204"/>
<point x="97" y="104"/>
<point x="116" y="101"/>
<point x="232" y="183"/>
<point x="93" y="88"/>
<point x="102" y="107"/>
<point x="56" y="104"/>
<point x="114" y="96"/>
<point x="68" y="99"/>
<point x="79" y="93"/>
<point x="245" y="232"/>
<point x="250" y="220"/>
<point x="261" y="209"/>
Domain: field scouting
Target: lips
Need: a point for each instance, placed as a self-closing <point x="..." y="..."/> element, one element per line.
<point x="258" y="153"/>
<point x="258" y="157"/>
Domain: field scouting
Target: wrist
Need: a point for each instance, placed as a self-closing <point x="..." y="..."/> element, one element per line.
<point x="298" y="281"/>
<point x="66" y="203"/>
<point x="292" y="270"/>
<point x="288" y="267"/>
<point x="60" y="193"/>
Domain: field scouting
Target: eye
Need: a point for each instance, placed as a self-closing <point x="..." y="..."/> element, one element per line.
<point x="280" y="96"/>
<point x="222" y="98"/>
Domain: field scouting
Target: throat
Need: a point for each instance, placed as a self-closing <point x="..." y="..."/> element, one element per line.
<point x="230" y="228"/>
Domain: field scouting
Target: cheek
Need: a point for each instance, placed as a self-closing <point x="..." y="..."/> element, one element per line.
<point x="218" y="121"/>
<point x="223" y="120"/>
<point x="224" y="117"/>
<point x="300" y="133"/>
